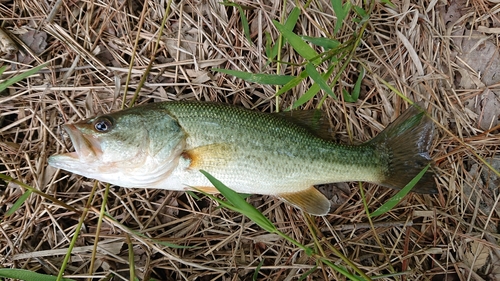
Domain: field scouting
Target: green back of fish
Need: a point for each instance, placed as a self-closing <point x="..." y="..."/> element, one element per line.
<point x="272" y="144"/>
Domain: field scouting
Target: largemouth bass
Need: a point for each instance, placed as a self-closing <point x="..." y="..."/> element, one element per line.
<point x="164" y="145"/>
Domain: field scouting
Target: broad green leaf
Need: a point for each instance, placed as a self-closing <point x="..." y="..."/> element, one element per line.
<point x="321" y="81"/>
<point x="270" y="79"/>
<point x="391" y="203"/>
<point x="326" y="43"/>
<point x="299" y="45"/>
<point x="21" y="76"/>
<point x="19" y="202"/>
<point x="240" y="205"/>
<point x="27" y="275"/>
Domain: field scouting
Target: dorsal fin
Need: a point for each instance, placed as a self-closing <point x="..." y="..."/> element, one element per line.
<point x="314" y="120"/>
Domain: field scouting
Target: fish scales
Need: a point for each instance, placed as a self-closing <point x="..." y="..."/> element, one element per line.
<point x="164" y="145"/>
<point x="269" y="147"/>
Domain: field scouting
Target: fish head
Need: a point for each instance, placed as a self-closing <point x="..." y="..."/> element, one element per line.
<point x="130" y="148"/>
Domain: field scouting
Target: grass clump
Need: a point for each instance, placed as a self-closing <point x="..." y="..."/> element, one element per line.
<point x="336" y="55"/>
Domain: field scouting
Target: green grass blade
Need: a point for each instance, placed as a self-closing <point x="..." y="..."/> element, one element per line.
<point x="294" y="82"/>
<point x="240" y="205"/>
<point x="271" y="52"/>
<point x="320" y="80"/>
<point x="357" y="88"/>
<point x="307" y="273"/>
<point x="388" y="3"/>
<point x="244" y="20"/>
<point x="362" y="14"/>
<point x="269" y="79"/>
<point x="19" y="77"/>
<point x="326" y="43"/>
<point x="290" y="23"/>
<point x="299" y="45"/>
<point x="8" y="179"/>
<point x="308" y="95"/>
<point x="237" y="203"/>
<point x="341" y="12"/>
<point x="292" y="18"/>
<point x="193" y="194"/>
<point x="313" y="90"/>
<point x="19" y="202"/>
<point x="159" y="242"/>
<point x="257" y="269"/>
<point x="343" y="271"/>
<point x="391" y="203"/>
<point x="23" y="274"/>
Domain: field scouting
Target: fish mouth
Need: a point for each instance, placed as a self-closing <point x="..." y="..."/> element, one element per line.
<point x="86" y="148"/>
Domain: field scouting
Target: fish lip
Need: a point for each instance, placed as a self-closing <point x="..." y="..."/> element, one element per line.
<point x="86" y="148"/>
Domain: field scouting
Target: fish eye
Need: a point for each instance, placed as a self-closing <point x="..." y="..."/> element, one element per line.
<point x="103" y="124"/>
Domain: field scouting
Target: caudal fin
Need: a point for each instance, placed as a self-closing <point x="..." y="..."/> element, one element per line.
<point x="406" y="143"/>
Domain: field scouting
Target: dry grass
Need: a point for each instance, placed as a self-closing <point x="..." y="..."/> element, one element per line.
<point x="415" y="47"/>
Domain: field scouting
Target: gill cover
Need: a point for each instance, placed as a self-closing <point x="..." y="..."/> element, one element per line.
<point x="130" y="148"/>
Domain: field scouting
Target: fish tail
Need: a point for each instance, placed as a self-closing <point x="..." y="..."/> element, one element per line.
<point x="405" y="146"/>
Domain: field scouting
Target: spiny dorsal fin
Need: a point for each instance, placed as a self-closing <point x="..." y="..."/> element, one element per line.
<point x="313" y="120"/>
<point x="309" y="200"/>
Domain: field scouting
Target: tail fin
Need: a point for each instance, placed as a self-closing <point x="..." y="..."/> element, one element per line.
<point x="406" y="141"/>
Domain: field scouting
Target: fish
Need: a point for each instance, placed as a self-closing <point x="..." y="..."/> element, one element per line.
<point x="164" y="145"/>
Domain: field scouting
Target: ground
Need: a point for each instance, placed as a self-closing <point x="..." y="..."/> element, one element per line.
<point x="444" y="54"/>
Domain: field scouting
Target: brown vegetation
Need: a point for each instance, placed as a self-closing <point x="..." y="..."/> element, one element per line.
<point x="444" y="53"/>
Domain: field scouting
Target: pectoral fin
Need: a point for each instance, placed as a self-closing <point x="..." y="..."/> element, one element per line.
<point x="209" y="156"/>
<point x="309" y="200"/>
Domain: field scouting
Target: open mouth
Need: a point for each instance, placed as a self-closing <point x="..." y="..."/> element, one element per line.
<point x="85" y="148"/>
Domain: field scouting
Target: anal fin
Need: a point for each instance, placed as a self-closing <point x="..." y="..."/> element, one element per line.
<point x="309" y="200"/>
<point x="206" y="189"/>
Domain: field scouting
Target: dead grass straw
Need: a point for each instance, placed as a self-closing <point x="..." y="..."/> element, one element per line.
<point x="424" y="49"/>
